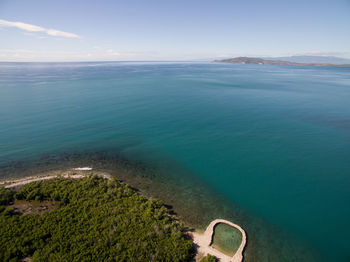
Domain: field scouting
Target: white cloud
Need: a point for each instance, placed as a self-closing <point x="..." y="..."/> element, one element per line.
<point x="113" y="53"/>
<point x="16" y="51"/>
<point x="26" y="55"/>
<point x="319" y="53"/>
<point x="34" y="28"/>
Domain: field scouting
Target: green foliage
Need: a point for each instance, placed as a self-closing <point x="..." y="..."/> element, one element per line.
<point x="97" y="220"/>
<point x="6" y="196"/>
<point x="208" y="258"/>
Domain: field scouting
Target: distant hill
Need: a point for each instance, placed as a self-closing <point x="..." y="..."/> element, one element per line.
<point x="312" y="59"/>
<point x="257" y="60"/>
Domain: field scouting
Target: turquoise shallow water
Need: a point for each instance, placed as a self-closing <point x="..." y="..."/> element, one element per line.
<point x="272" y="141"/>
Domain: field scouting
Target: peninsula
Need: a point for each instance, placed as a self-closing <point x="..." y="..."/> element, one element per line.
<point x="77" y="214"/>
<point x="260" y="61"/>
<point x="86" y="218"/>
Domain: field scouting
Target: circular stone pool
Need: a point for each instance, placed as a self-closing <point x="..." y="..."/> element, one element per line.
<point x="226" y="239"/>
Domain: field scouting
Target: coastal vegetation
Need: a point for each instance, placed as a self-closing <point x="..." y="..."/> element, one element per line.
<point x="88" y="219"/>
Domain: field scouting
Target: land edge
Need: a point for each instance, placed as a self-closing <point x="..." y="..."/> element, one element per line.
<point x="260" y="61"/>
<point x="202" y="241"/>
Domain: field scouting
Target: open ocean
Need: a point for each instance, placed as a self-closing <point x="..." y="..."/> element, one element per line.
<point x="265" y="146"/>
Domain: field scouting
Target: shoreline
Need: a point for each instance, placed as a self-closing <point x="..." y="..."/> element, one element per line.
<point x="74" y="173"/>
<point x="188" y="196"/>
<point x="202" y="240"/>
<point x="189" y="199"/>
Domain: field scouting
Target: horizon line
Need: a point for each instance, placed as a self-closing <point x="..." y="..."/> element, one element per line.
<point x="191" y="60"/>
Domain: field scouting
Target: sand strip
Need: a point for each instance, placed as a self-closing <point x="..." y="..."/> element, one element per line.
<point x="75" y="173"/>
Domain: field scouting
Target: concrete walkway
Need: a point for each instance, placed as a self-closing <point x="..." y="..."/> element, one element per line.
<point x="205" y="240"/>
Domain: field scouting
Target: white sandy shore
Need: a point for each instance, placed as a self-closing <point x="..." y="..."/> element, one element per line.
<point x="74" y="173"/>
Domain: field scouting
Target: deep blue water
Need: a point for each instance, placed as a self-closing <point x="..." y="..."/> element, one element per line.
<point x="272" y="140"/>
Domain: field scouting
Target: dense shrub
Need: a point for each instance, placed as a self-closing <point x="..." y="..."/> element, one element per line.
<point x="97" y="220"/>
<point x="6" y="196"/>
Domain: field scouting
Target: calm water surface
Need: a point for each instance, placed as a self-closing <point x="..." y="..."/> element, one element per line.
<point x="272" y="142"/>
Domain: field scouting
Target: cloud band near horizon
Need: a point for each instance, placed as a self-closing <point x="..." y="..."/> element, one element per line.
<point x="35" y="28"/>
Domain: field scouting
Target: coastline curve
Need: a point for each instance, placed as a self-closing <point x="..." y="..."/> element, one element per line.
<point x="205" y="240"/>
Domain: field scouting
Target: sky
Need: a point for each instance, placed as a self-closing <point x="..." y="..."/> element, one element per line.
<point x="185" y="30"/>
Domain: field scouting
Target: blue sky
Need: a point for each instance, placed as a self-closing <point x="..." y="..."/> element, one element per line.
<point x="91" y="30"/>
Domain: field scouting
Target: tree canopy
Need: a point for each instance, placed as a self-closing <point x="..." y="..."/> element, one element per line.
<point x="96" y="220"/>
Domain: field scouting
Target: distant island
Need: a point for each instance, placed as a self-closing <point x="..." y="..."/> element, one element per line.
<point x="260" y="61"/>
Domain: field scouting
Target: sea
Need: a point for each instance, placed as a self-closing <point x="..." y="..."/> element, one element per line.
<point x="265" y="146"/>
